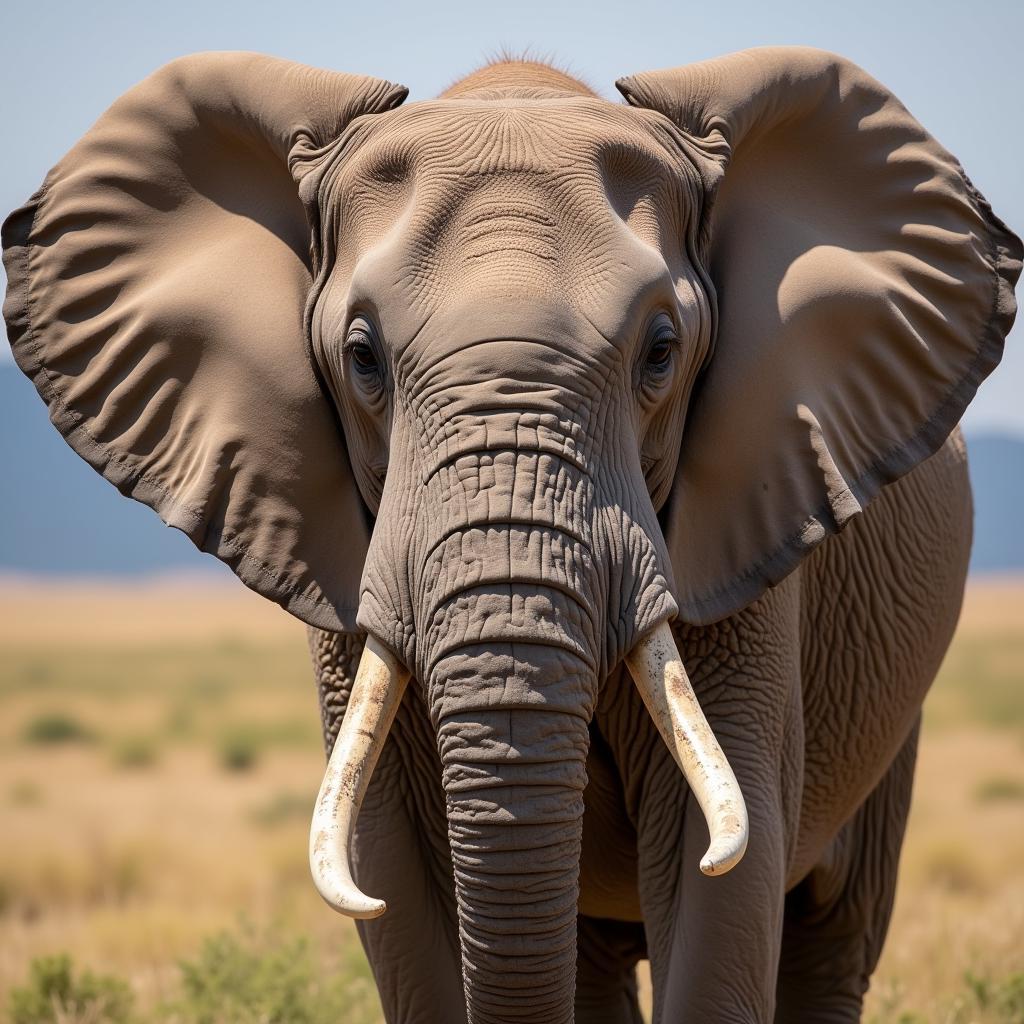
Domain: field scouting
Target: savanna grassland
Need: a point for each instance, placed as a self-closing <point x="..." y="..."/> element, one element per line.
<point x="160" y="752"/>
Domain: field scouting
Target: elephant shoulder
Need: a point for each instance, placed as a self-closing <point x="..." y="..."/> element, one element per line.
<point x="880" y="602"/>
<point x="911" y="543"/>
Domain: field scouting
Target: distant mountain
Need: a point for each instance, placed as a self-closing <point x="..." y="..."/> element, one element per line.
<point x="58" y="516"/>
<point x="997" y="473"/>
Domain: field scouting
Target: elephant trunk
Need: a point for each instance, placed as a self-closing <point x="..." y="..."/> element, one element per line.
<point x="511" y="633"/>
<point x="513" y="775"/>
<point x="509" y="579"/>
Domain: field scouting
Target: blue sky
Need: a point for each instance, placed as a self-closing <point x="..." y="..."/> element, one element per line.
<point x="956" y="66"/>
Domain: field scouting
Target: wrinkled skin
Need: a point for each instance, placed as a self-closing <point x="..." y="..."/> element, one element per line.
<point x="823" y="740"/>
<point x="526" y="823"/>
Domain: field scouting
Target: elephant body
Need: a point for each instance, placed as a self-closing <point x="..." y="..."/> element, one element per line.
<point x="831" y="667"/>
<point x="610" y="452"/>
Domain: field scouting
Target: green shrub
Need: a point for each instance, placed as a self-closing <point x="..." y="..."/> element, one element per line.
<point x="999" y="790"/>
<point x="135" y="752"/>
<point x="239" y="751"/>
<point x="267" y="982"/>
<point x="242" y="978"/>
<point x="1003" y="999"/>
<point x="984" y="1000"/>
<point x="55" y="995"/>
<point x="56" y="727"/>
<point x="243" y="743"/>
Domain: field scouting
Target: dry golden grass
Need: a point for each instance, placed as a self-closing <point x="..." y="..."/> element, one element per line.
<point x="132" y="828"/>
<point x="138" y="615"/>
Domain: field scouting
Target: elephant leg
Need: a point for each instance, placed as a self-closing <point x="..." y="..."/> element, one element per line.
<point x="400" y="852"/>
<point x="718" y="962"/>
<point x="836" y="919"/>
<point x="607" y="953"/>
<point x="714" y="942"/>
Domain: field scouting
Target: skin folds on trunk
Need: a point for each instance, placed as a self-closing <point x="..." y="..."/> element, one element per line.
<point x="511" y="651"/>
<point x="514" y="778"/>
<point x="508" y="569"/>
<point x="511" y="680"/>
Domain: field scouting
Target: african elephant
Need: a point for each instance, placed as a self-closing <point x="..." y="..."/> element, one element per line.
<point x="533" y="399"/>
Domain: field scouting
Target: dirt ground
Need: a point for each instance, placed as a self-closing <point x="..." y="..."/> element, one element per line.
<point x="160" y="752"/>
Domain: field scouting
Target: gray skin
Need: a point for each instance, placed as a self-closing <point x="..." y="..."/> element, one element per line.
<point x="822" y="735"/>
<point x="526" y="824"/>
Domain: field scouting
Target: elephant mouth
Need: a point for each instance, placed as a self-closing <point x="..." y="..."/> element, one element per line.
<point x="661" y="679"/>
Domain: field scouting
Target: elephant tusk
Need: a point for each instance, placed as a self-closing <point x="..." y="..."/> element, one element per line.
<point x="376" y="695"/>
<point x="658" y="672"/>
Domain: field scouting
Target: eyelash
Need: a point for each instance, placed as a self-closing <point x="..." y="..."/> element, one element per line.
<point x="360" y="349"/>
<point x="661" y="348"/>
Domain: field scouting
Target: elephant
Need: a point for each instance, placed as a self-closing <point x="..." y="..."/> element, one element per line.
<point x="609" y="452"/>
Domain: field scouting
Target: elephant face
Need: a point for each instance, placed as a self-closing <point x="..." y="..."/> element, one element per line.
<point x="508" y="380"/>
<point x="564" y="223"/>
<point x="509" y="317"/>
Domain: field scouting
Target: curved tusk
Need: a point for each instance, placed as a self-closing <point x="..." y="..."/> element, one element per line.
<point x="665" y="688"/>
<point x="376" y="695"/>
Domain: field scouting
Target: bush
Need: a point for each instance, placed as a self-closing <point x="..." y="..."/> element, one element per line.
<point x="250" y="982"/>
<point x="239" y="751"/>
<point x="135" y="752"/>
<point x="54" y="995"/>
<point x="984" y="1000"/>
<point x="998" y="790"/>
<point x="56" y="728"/>
<point x="1003" y="999"/>
<point x="240" y="978"/>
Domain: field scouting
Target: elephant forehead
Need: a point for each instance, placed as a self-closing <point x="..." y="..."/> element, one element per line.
<point x="571" y="198"/>
<point x="531" y="136"/>
<point x="549" y="173"/>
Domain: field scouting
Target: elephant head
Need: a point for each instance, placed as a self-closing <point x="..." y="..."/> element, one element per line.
<point x="508" y="380"/>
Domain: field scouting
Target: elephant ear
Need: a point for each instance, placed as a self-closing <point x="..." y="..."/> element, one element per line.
<point x="157" y="284"/>
<point x="864" y="288"/>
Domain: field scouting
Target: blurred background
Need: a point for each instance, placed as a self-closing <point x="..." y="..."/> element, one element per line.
<point x="159" y="735"/>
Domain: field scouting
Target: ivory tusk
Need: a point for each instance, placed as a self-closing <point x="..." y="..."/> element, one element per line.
<point x="661" y="678"/>
<point x="376" y="695"/>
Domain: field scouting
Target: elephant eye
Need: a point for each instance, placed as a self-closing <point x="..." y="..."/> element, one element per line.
<point x="659" y="355"/>
<point x="364" y="357"/>
<point x="362" y="351"/>
<point x="661" y="347"/>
